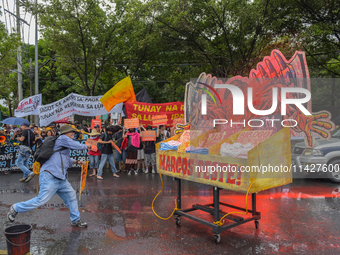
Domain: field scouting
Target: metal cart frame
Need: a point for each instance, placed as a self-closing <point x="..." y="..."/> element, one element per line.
<point x="214" y="209"/>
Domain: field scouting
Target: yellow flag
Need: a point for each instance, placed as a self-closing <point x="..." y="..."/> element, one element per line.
<point x="121" y="92"/>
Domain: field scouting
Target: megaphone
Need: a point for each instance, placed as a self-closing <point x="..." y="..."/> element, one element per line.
<point x="2" y="139"/>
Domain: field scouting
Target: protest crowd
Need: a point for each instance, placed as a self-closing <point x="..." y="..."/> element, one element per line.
<point x="135" y="157"/>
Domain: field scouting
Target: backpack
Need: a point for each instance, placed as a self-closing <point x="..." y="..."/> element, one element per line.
<point x="45" y="151"/>
<point x="100" y="145"/>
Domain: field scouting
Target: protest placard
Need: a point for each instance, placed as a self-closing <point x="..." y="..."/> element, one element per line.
<point x="83" y="178"/>
<point x="148" y="136"/>
<point x="158" y="120"/>
<point x="131" y="123"/>
<point x="96" y="122"/>
<point x="93" y="143"/>
<point x="116" y="147"/>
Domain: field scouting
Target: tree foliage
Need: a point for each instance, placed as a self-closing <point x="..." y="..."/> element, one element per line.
<point x="8" y="80"/>
<point x="87" y="46"/>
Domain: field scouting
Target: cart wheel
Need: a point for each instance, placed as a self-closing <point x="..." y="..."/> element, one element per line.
<point x="217" y="238"/>
<point x="178" y="221"/>
<point x="257" y="224"/>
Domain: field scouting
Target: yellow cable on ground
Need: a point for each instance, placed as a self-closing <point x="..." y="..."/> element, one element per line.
<point x="176" y="209"/>
<point x="221" y="221"/>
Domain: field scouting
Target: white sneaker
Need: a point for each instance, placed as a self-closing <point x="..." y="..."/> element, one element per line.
<point x="146" y="171"/>
<point x="153" y="171"/>
<point x="12" y="214"/>
<point x="136" y="172"/>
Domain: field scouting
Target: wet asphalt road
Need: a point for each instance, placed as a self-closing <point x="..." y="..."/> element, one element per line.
<point x="300" y="218"/>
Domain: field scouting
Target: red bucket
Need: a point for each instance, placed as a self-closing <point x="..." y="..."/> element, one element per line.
<point x="18" y="239"/>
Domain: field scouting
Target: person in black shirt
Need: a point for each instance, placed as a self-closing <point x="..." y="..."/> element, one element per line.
<point x="77" y="134"/>
<point x="38" y="138"/>
<point x="107" y="153"/>
<point x="150" y="153"/>
<point x="163" y="134"/>
<point x="27" y="140"/>
<point x="119" y="139"/>
<point x="43" y="132"/>
<point x="131" y="150"/>
<point x="86" y="128"/>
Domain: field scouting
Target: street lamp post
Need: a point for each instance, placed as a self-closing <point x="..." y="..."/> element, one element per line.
<point x="36" y="58"/>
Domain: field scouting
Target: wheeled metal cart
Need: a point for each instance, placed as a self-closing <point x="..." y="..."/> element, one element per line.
<point x="181" y="165"/>
<point x="214" y="209"/>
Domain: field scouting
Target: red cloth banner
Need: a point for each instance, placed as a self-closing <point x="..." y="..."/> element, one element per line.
<point x="144" y="111"/>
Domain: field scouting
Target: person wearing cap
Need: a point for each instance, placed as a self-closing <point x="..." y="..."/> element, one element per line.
<point x="94" y="156"/>
<point x="53" y="178"/>
<point x="27" y="140"/>
<point x="97" y="127"/>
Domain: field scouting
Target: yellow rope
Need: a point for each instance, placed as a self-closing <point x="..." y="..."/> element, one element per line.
<point x="221" y="221"/>
<point x="176" y="209"/>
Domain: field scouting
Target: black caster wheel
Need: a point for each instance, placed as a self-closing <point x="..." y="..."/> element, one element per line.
<point x="178" y="221"/>
<point x="217" y="238"/>
<point x="257" y="224"/>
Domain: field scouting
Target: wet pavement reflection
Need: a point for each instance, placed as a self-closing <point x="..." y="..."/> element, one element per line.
<point x="300" y="218"/>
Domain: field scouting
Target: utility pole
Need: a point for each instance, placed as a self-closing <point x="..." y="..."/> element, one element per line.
<point x="20" y="93"/>
<point x="31" y="84"/>
<point x="36" y="76"/>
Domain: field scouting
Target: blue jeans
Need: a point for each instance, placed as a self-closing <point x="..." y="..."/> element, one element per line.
<point x="49" y="185"/>
<point x="121" y="156"/>
<point x="94" y="161"/>
<point x="22" y="163"/>
<point x="103" y="160"/>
